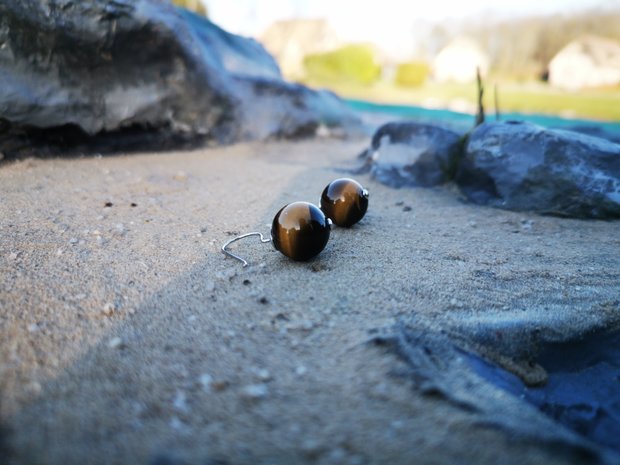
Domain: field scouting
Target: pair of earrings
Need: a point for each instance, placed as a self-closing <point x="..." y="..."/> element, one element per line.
<point x="300" y="230"/>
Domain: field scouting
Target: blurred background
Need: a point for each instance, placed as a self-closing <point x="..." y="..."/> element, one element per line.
<point x="557" y="57"/>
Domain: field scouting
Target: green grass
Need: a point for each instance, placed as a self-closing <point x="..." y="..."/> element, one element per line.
<point x="596" y="104"/>
<point x="351" y="63"/>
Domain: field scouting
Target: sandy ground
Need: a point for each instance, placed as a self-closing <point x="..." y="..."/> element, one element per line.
<point x="126" y="337"/>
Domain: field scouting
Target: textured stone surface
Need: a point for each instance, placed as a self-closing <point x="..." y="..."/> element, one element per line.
<point x="83" y="68"/>
<point x="413" y="154"/>
<point x="564" y="364"/>
<point x="521" y="166"/>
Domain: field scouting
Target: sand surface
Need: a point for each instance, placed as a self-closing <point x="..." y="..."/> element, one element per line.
<point x="126" y="337"/>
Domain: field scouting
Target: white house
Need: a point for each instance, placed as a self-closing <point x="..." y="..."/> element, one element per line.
<point x="589" y="61"/>
<point x="458" y="61"/>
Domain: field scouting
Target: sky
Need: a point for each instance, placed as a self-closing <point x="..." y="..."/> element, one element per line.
<point x="387" y="23"/>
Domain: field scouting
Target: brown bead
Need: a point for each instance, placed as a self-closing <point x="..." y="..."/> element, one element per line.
<point x="300" y="230"/>
<point x="344" y="201"/>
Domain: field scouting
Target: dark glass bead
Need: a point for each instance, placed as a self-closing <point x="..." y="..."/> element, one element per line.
<point x="300" y="230"/>
<point x="344" y="201"/>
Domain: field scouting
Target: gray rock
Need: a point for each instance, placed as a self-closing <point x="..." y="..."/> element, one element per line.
<point x="521" y="166"/>
<point x="141" y="69"/>
<point x="413" y="154"/>
<point x="535" y="373"/>
<point x="595" y="130"/>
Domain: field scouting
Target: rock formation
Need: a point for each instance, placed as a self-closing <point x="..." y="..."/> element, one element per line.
<point x="521" y="166"/>
<point x="511" y="165"/>
<point x="413" y="154"/>
<point x="72" y="70"/>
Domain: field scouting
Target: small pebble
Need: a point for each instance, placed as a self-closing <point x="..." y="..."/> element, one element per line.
<point x="301" y="370"/>
<point x="322" y="131"/>
<point x="177" y="424"/>
<point x="13" y="256"/>
<point x="205" y="381"/>
<point x="33" y="327"/>
<point x="254" y="391"/>
<point x="116" y="343"/>
<point x="108" y="309"/>
<point x="73" y="240"/>
<point x="228" y="274"/>
<point x="180" y="402"/>
<point x="306" y="325"/>
<point x="34" y="388"/>
<point x="219" y="385"/>
<point x="317" y="267"/>
<point x="526" y="224"/>
<point x="311" y="447"/>
<point x="397" y="424"/>
<point x="119" y="230"/>
<point x="262" y="374"/>
<point x="406" y="208"/>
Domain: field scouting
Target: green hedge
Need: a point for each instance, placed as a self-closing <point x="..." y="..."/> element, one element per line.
<point x="412" y="74"/>
<point x="354" y="63"/>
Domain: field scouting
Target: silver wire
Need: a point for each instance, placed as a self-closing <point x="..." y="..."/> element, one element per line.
<point x="234" y="239"/>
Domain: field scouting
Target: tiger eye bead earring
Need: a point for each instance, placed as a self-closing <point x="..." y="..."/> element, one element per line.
<point x="344" y="201"/>
<point x="299" y="230"/>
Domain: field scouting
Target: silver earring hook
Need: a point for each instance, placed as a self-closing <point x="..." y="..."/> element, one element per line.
<point x="234" y="239"/>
